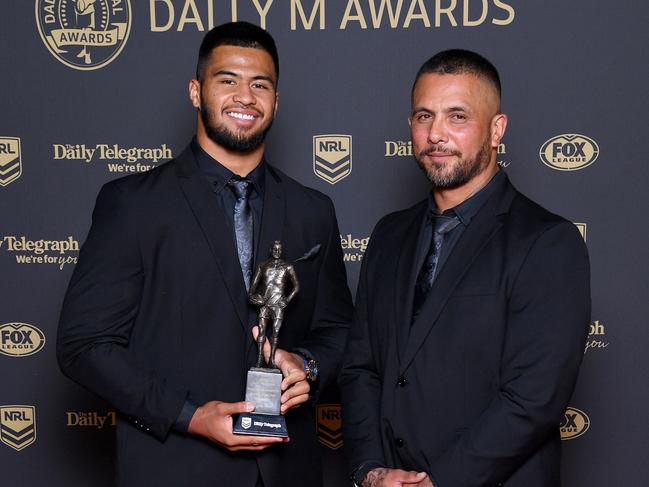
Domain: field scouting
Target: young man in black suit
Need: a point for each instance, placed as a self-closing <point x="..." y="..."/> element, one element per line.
<point x="472" y="310"/>
<point x="156" y="318"/>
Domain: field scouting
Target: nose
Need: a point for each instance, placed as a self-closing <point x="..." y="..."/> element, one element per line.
<point x="244" y="95"/>
<point x="437" y="131"/>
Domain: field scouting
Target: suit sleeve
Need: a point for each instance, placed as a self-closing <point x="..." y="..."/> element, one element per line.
<point x="547" y="321"/>
<point x="333" y="308"/>
<point x="98" y="315"/>
<point x="360" y="385"/>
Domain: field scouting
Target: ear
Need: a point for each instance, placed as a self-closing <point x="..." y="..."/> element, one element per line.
<point x="498" y="127"/>
<point x="195" y="93"/>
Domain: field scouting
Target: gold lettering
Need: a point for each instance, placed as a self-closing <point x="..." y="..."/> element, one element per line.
<point x="422" y="15"/>
<point x="263" y="12"/>
<point x="358" y="16"/>
<point x="472" y="23"/>
<point x="152" y="14"/>
<point x="186" y="19"/>
<point x="448" y="11"/>
<point x="506" y="7"/>
<point x="393" y="13"/>
<point x="318" y="9"/>
<point x="234" y="10"/>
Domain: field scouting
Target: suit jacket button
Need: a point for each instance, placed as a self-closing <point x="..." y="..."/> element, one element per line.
<point x="402" y="381"/>
<point x="399" y="442"/>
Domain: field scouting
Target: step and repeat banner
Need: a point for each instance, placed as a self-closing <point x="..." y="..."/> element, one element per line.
<point x="94" y="90"/>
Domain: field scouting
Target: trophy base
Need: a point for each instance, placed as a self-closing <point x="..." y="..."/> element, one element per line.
<point x="255" y="424"/>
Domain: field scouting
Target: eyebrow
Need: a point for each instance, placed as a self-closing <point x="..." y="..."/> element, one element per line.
<point x="456" y="108"/>
<point x="225" y="72"/>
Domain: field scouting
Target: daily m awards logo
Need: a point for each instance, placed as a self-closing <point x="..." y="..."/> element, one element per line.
<point x="17" y="426"/>
<point x="10" y="161"/>
<point x="332" y="157"/>
<point x="84" y="34"/>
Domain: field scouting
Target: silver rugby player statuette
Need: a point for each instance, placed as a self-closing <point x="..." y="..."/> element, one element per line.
<point x="269" y="291"/>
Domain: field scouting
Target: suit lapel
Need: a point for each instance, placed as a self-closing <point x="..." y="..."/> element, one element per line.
<point x="211" y="220"/>
<point x="272" y="222"/>
<point x="407" y="274"/>
<point x="480" y="231"/>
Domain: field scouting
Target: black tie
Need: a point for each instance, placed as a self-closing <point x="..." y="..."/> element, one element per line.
<point x="441" y="225"/>
<point x="243" y="226"/>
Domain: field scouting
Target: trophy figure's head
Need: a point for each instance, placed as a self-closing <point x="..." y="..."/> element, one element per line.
<point x="276" y="250"/>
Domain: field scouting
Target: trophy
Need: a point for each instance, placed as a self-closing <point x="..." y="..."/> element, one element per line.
<point x="268" y="291"/>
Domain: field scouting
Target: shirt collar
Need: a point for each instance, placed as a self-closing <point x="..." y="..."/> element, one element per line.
<point x="219" y="175"/>
<point x="466" y="210"/>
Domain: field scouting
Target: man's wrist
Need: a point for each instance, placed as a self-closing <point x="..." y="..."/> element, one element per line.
<point x="181" y="424"/>
<point x="358" y="476"/>
<point x="311" y="368"/>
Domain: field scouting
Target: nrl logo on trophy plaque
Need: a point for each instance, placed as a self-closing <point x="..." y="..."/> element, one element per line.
<point x="269" y="290"/>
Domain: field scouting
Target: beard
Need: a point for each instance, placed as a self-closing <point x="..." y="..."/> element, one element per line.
<point x="460" y="172"/>
<point x="237" y="142"/>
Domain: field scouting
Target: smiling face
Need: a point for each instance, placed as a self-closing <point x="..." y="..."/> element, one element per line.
<point x="456" y="127"/>
<point x="236" y="97"/>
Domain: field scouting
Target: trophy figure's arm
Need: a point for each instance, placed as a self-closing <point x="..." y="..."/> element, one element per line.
<point x="296" y="284"/>
<point x="252" y="292"/>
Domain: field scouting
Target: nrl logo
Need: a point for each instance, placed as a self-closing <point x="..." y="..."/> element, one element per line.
<point x="10" y="161"/>
<point x="84" y="34"/>
<point x="332" y="157"/>
<point x="246" y="423"/>
<point x="17" y="426"/>
<point x="330" y="425"/>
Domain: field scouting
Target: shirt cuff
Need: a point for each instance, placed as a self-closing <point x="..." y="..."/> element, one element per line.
<point x="184" y="418"/>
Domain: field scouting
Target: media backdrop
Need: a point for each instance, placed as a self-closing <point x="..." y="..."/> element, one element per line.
<point x="95" y="90"/>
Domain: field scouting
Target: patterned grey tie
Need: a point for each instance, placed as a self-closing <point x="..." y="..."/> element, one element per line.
<point x="243" y="225"/>
<point x="441" y="225"/>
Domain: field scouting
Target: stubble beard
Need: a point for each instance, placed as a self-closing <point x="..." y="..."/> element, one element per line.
<point x="462" y="171"/>
<point x="222" y="136"/>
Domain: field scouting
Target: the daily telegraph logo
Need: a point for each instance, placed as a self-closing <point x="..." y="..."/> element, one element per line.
<point x="20" y="339"/>
<point x="90" y="419"/>
<point x="330" y="425"/>
<point x="569" y="152"/>
<point x="118" y="159"/>
<point x="596" y="337"/>
<point x="332" y="157"/>
<point x="402" y="148"/>
<point x="353" y="247"/>
<point x="46" y="252"/>
<point x="84" y="34"/>
<point x="17" y="426"/>
<point x="574" y="424"/>
<point x="10" y="160"/>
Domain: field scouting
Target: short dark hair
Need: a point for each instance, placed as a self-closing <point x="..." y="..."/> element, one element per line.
<point x="460" y="61"/>
<point x="241" y="34"/>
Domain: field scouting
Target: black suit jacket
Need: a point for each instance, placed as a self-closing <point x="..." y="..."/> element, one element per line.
<point x="157" y="312"/>
<point x="474" y="392"/>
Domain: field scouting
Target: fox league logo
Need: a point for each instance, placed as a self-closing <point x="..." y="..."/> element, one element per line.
<point x="17" y="426"/>
<point x="569" y="152"/>
<point x="20" y="339"/>
<point x="84" y="34"/>
<point x="10" y="161"/>
<point x="332" y="157"/>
